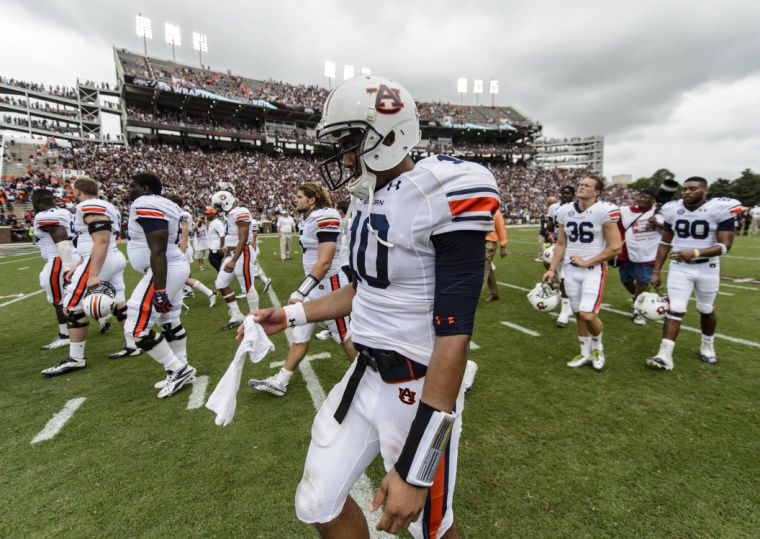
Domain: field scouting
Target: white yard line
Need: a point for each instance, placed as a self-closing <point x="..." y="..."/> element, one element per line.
<point x="321" y="355"/>
<point x="474" y="346"/>
<point x="362" y="491"/>
<point x="57" y="422"/>
<point x="20" y="260"/>
<point x="741" y="257"/>
<point x="514" y="286"/>
<point x="198" y="395"/>
<point x="520" y="328"/>
<point x="24" y="268"/>
<point x="40" y="291"/>
<point x="739" y="286"/>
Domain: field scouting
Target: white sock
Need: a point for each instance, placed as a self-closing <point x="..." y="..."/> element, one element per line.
<point x="63" y="329"/>
<point x="666" y="349"/>
<point x="707" y="340"/>
<point x="565" y="307"/>
<point x="596" y="342"/>
<point x="234" y="309"/>
<point x="253" y="299"/>
<point x="129" y="340"/>
<point x="585" y="346"/>
<point x="76" y="349"/>
<point x="202" y="288"/>
<point x="283" y="377"/>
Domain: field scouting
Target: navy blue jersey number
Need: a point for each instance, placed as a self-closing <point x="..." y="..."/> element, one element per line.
<point x="359" y="266"/>
<point x="580" y="232"/>
<point x="698" y="230"/>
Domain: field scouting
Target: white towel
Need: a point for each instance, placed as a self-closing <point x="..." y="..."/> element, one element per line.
<point x="224" y="398"/>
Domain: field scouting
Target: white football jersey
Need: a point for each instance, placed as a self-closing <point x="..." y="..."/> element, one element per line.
<point x="216" y="233"/>
<point x="585" y="229"/>
<point x="395" y="286"/>
<point x="52" y="217"/>
<point x="641" y="238"/>
<point x="551" y="213"/>
<point x="153" y="207"/>
<point x="238" y="214"/>
<point x="325" y="220"/>
<point x="94" y="206"/>
<point x="200" y="239"/>
<point x="699" y="228"/>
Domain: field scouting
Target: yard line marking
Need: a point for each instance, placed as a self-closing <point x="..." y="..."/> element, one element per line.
<point x="57" y="422"/>
<point x="514" y="286"/>
<point x="739" y="286"/>
<point x="321" y="355"/>
<point x="24" y="296"/>
<point x="556" y="315"/>
<point x="25" y="267"/>
<point x="198" y="396"/>
<point x="19" y="260"/>
<point x="474" y="346"/>
<point x="520" y="328"/>
<point x="741" y="257"/>
<point x="362" y="491"/>
<point x="12" y="296"/>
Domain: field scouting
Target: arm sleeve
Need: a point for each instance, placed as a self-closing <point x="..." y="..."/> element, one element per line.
<point x="728" y="224"/>
<point x="152" y="224"/>
<point x="327" y="236"/>
<point x="459" y="264"/>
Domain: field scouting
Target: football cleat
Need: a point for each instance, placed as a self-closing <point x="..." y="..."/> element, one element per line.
<point x="638" y="319"/>
<point x="469" y="375"/>
<point x="175" y="380"/>
<point x="125" y="352"/>
<point x="578" y="361"/>
<point x="69" y="364"/>
<point x="562" y="320"/>
<point x="233" y="322"/>
<point x="598" y="360"/>
<point x="187" y="293"/>
<point x="162" y="383"/>
<point x="707" y="355"/>
<point x="212" y="300"/>
<point x="267" y="285"/>
<point x="104" y="323"/>
<point x="270" y="385"/>
<point x="60" y="340"/>
<point x="323" y="335"/>
<point x="660" y="363"/>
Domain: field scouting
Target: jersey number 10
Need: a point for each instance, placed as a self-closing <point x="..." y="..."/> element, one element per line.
<point x="359" y="266"/>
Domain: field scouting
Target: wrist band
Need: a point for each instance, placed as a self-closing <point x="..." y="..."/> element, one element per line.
<point x="723" y="248"/>
<point x="306" y="286"/>
<point x="425" y="444"/>
<point x="696" y="253"/>
<point x="293" y="315"/>
<point x="656" y="271"/>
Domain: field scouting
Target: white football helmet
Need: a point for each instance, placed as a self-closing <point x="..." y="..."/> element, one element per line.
<point x="652" y="306"/>
<point x="543" y="297"/>
<point x="374" y="107"/>
<point x="223" y="200"/>
<point x="98" y="303"/>
<point x="548" y="254"/>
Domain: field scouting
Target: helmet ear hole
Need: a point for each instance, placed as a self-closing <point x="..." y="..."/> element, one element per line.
<point x="389" y="139"/>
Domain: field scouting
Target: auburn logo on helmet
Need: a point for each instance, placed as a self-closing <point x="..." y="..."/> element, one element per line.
<point x="387" y="100"/>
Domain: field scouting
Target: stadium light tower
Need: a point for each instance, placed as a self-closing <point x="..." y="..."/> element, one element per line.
<point x="477" y="89"/>
<point x="173" y="37"/>
<point x="329" y="72"/>
<point x="461" y="88"/>
<point x="144" y="30"/>
<point x="348" y="72"/>
<point x="365" y="71"/>
<point x="200" y="44"/>
<point x="494" y="89"/>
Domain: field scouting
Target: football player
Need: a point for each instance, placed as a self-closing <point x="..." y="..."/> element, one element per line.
<point x="698" y="231"/>
<point x="417" y="246"/>
<point x="588" y="236"/>
<point x="200" y="240"/>
<point x="566" y="196"/>
<point x="239" y="241"/>
<point x="187" y="250"/>
<point x="153" y="249"/>
<point x="53" y="228"/>
<point x="97" y="224"/>
<point x="216" y="239"/>
<point x="543" y="234"/>
<point x="321" y="240"/>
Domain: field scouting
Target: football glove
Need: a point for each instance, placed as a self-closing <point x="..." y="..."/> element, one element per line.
<point x="161" y="301"/>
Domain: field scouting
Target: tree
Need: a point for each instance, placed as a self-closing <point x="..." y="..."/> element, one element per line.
<point x="746" y="188"/>
<point x="721" y="188"/>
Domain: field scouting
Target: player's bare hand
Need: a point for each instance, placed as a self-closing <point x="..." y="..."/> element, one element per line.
<point x="503" y="252"/>
<point x="229" y="267"/>
<point x="93" y="281"/>
<point x="656" y="280"/>
<point x="681" y="256"/>
<point x="403" y="503"/>
<point x="576" y="260"/>
<point x="548" y="276"/>
<point x="68" y="274"/>
<point x="270" y="319"/>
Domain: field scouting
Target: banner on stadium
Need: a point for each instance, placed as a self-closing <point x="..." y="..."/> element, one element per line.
<point x="72" y="174"/>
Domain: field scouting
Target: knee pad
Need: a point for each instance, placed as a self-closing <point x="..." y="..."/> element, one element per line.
<point x="149" y="341"/>
<point x="120" y="313"/>
<point x="310" y="506"/>
<point x="705" y="308"/>
<point x="173" y="332"/>
<point x="77" y="320"/>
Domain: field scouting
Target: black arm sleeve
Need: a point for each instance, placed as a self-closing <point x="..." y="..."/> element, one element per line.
<point x="327" y="236"/>
<point x="728" y="224"/>
<point x="151" y="225"/>
<point x="459" y="267"/>
<point x="666" y="227"/>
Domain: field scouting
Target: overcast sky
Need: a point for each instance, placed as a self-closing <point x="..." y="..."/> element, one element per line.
<point x="672" y="84"/>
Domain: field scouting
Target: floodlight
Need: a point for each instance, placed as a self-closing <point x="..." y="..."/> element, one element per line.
<point x="462" y="86"/>
<point x="143" y="27"/>
<point x="477" y="86"/>
<point x="200" y="42"/>
<point x="494" y="87"/>
<point x="348" y="72"/>
<point x="365" y="71"/>
<point x="172" y="34"/>
<point x="329" y="69"/>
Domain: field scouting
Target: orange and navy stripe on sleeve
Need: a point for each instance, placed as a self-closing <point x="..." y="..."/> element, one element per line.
<point x="614" y="214"/>
<point x="328" y="222"/>
<point x="243" y="217"/>
<point x="473" y="204"/>
<point x="48" y="223"/>
<point x="150" y="213"/>
<point x="93" y="209"/>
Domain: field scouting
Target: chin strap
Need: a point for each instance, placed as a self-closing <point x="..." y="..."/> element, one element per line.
<point x="365" y="190"/>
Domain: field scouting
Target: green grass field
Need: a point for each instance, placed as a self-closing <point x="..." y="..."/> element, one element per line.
<point x="546" y="450"/>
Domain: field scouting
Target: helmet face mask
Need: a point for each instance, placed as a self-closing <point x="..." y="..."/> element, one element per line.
<point x="543" y="297"/>
<point x="382" y="116"/>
